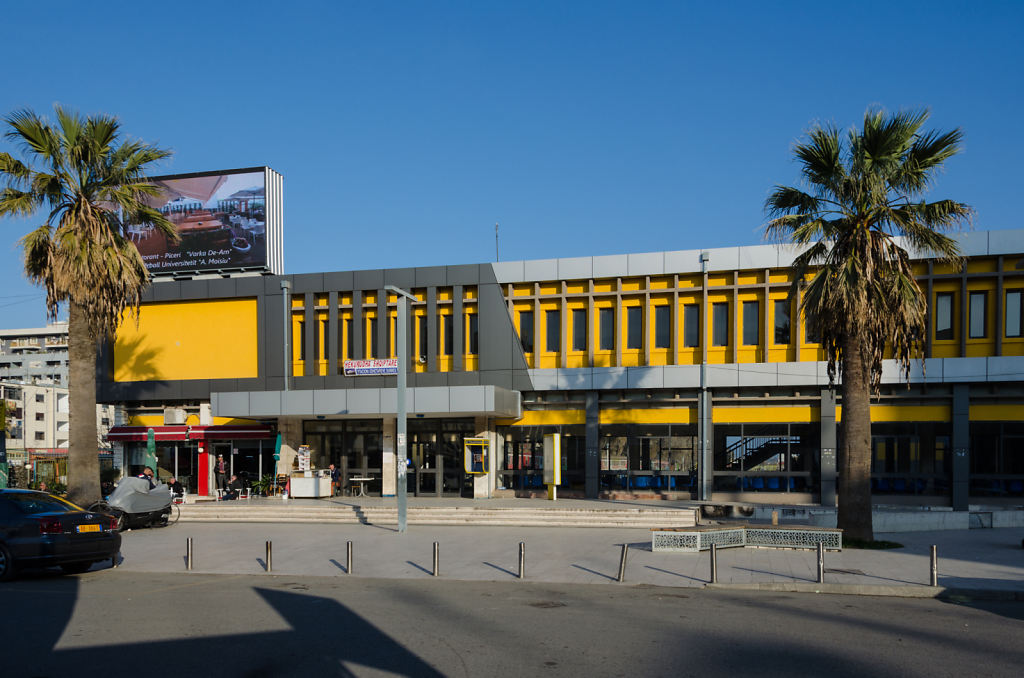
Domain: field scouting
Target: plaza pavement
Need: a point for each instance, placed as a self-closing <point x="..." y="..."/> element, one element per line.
<point x="983" y="562"/>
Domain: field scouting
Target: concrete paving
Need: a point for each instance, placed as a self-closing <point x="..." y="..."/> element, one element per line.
<point x="986" y="561"/>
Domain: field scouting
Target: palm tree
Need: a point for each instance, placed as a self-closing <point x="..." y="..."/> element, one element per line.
<point x="862" y="297"/>
<point x="88" y="186"/>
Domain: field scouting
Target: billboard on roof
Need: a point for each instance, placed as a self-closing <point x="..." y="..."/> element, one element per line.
<point x="228" y="220"/>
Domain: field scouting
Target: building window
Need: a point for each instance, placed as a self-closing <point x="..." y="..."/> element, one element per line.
<point x="40" y="435"/>
<point x="662" y="327"/>
<point x="371" y="346"/>
<point x="812" y="333"/>
<point x="720" y="324"/>
<point x="606" y="317"/>
<point x="344" y="340"/>
<point x="579" y="329"/>
<point x="782" y="321"/>
<point x="421" y="333"/>
<point x="474" y="334"/>
<point x="976" y="309"/>
<point x="634" y="327"/>
<point x="751" y="326"/>
<point x="1014" y="313"/>
<point x="526" y="330"/>
<point x="446" y="333"/>
<point x="553" y="320"/>
<point x="40" y="416"/>
<point x="691" y="325"/>
<point x="944" y="315"/>
<point x="302" y="346"/>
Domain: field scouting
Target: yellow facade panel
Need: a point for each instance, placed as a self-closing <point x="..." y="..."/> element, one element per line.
<point x="214" y="339"/>
<point x="781" y="414"/>
<point x="661" y="415"/>
<point x="996" y="413"/>
<point x="547" y="418"/>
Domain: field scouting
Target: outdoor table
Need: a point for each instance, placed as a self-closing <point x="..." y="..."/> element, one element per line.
<point x="362" y="484"/>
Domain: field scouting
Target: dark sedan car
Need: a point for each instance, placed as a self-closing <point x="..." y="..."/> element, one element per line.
<point x="40" y="530"/>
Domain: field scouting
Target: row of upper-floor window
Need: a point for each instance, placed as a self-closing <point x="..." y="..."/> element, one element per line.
<point x="581" y="329"/>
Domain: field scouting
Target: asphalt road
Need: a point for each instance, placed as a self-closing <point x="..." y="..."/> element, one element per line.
<point x="116" y="623"/>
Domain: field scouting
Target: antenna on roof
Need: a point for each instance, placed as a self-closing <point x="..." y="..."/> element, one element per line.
<point x="496" y="257"/>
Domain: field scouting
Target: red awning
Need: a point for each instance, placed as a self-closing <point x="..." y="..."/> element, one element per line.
<point x="181" y="433"/>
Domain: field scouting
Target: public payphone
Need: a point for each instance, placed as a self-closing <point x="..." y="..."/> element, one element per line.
<point x="477" y="455"/>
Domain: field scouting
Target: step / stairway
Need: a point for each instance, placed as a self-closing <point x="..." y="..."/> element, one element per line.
<point x="481" y="516"/>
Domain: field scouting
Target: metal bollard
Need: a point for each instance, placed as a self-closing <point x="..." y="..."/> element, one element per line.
<point x="821" y="562"/>
<point x="935" y="566"/>
<point x="622" y="563"/>
<point x="435" y="558"/>
<point x="188" y="554"/>
<point x="270" y="557"/>
<point x="348" y="558"/>
<point x="522" y="560"/>
<point x="714" y="563"/>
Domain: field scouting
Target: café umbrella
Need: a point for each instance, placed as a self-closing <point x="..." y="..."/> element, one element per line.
<point x="150" y="460"/>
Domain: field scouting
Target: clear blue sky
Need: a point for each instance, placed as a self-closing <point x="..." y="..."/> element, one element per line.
<point x="405" y="130"/>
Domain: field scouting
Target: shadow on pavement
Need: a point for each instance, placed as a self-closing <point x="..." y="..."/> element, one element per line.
<point x="312" y="646"/>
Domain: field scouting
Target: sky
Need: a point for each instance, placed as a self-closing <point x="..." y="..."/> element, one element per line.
<point x="406" y="130"/>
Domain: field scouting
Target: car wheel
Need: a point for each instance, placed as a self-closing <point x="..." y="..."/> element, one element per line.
<point x="6" y="564"/>
<point x="122" y="521"/>
<point x="75" y="568"/>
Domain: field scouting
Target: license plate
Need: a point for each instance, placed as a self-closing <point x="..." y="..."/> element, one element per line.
<point x="89" y="528"/>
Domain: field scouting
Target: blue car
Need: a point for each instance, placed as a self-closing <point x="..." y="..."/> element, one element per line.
<point x="40" y="530"/>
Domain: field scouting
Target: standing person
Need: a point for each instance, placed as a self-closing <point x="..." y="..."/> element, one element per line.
<point x="222" y="472"/>
<point x="335" y="480"/>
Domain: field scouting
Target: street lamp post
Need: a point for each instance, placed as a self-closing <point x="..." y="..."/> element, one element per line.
<point x="403" y="361"/>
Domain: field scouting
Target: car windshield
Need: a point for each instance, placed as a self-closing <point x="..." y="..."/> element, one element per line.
<point x="31" y="504"/>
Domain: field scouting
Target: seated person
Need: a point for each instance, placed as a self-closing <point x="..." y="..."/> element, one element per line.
<point x="176" y="488"/>
<point x="233" y="488"/>
<point x="147" y="473"/>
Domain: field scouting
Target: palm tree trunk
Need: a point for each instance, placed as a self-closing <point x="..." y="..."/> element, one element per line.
<point x="854" y="516"/>
<point x="83" y="459"/>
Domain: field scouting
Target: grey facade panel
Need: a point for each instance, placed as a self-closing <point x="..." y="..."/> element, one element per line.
<point x="541" y="269"/>
<point x="308" y="282"/>
<point x="544" y="380"/>
<point x="723" y="258"/>
<point x="759" y="256"/>
<point x="508" y="271"/>
<point x="365" y="401"/>
<point x="611" y="266"/>
<point x="973" y="243"/>
<point x="1005" y="368"/>
<point x="264" y="403"/>
<point x="297" y="402"/>
<point x="402" y="278"/>
<point x="1005" y="242"/>
<point x="797" y="374"/>
<point x="330" y="402"/>
<point x="576" y="379"/>
<point x="575" y="268"/>
<point x="194" y="289"/>
<point x="248" y="286"/>
<point x="368" y="280"/>
<point x="431" y="276"/>
<point x="723" y="376"/>
<point x="307" y="383"/>
<point x="645" y="377"/>
<point x="230" y="402"/>
<point x="162" y="291"/>
<point x="610" y="377"/>
<point x="682" y="261"/>
<point x="464" y="378"/>
<point x="340" y="280"/>
<point x="682" y="376"/>
<point x="647" y="263"/>
<point x="758" y="374"/>
<point x="462" y="274"/>
<point x="964" y="369"/>
<point x="432" y="400"/>
<point x="468" y="400"/>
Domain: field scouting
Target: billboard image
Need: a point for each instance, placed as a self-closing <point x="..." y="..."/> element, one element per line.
<point x="228" y="221"/>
